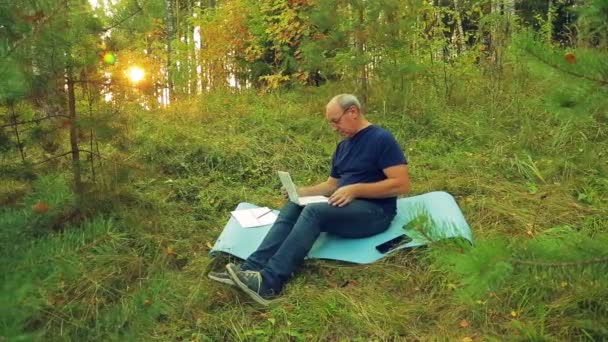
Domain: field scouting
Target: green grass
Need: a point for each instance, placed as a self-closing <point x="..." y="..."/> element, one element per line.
<point x="523" y="161"/>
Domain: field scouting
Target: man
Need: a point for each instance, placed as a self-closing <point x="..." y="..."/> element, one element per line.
<point x="368" y="171"/>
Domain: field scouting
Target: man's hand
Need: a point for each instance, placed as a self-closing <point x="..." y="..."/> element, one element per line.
<point x="342" y="196"/>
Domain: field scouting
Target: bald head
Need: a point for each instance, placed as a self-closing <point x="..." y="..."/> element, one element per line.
<point x="343" y="112"/>
<point x="344" y="101"/>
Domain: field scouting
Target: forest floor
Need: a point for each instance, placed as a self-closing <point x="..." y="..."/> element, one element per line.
<point x="521" y="167"/>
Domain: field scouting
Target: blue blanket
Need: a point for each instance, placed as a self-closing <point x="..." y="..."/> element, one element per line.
<point x="423" y="218"/>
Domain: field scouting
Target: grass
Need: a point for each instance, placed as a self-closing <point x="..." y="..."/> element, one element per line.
<point x="525" y="172"/>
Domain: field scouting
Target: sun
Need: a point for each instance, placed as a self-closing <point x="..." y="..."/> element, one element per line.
<point x="136" y="74"/>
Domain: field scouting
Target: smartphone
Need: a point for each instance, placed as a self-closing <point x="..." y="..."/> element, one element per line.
<point x="392" y="243"/>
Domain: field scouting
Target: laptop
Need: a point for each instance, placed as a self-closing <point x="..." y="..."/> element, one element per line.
<point x="293" y="193"/>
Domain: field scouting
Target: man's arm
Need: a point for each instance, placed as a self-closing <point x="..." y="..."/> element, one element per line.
<point x="397" y="183"/>
<point x="324" y="189"/>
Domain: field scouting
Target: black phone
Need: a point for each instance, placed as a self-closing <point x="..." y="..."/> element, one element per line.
<point x="392" y="243"/>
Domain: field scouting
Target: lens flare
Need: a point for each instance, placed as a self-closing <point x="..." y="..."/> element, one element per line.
<point x="135" y="74"/>
<point x="109" y="58"/>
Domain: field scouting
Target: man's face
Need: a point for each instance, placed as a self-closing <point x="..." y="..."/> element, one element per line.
<point x="342" y="121"/>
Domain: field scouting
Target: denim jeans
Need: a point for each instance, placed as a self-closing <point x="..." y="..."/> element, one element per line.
<point x="297" y="228"/>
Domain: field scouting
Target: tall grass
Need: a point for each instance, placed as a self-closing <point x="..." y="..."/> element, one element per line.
<point x="522" y="157"/>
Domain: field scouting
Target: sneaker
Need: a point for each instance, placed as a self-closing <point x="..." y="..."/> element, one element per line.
<point x="223" y="276"/>
<point x="250" y="282"/>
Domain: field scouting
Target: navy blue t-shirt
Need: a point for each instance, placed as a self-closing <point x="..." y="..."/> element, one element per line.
<point x="362" y="157"/>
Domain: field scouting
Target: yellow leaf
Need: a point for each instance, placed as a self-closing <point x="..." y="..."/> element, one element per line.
<point x="464" y="323"/>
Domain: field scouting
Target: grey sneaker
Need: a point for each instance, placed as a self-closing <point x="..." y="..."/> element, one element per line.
<point x="250" y="282"/>
<point x="223" y="276"/>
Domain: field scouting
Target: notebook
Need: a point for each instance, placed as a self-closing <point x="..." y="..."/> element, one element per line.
<point x="293" y="193"/>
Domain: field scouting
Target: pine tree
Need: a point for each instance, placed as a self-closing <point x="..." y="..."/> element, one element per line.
<point x="560" y="270"/>
<point x="52" y="101"/>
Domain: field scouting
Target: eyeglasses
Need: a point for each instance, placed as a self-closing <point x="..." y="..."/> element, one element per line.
<point x="336" y="121"/>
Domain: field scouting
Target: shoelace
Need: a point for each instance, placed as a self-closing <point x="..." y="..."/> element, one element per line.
<point x="254" y="275"/>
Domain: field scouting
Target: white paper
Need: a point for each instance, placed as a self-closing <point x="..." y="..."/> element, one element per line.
<point x="255" y="217"/>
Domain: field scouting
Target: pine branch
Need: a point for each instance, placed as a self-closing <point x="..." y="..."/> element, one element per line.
<point x="36" y="31"/>
<point x="569" y="72"/>
<point x="112" y="160"/>
<point x="94" y="81"/>
<point x="120" y="22"/>
<point x="33" y="121"/>
<point x="91" y="153"/>
<point x="41" y="23"/>
<point x="53" y="158"/>
<point x="587" y="262"/>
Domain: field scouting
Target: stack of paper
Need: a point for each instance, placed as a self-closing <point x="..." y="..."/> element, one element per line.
<point x="255" y="217"/>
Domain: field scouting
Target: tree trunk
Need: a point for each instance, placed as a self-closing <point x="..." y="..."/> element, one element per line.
<point x="74" y="132"/>
<point x="460" y="39"/>
<point x="16" y="130"/>
<point x="69" y="80"/>
<point x="549" y="27"/>
<point x="360" y="39"/>
<point x="170" y="32"/>
<point x="509" y="13"/>
<point x="89" y="92"/>
<point x="494" y="9"/>
<point x="192" y="80"/>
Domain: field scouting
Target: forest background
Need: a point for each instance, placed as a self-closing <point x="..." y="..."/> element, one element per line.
<point x="130" y="129"/>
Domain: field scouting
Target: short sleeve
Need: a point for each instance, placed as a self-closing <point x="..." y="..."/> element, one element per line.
<point x="390" y="152"/>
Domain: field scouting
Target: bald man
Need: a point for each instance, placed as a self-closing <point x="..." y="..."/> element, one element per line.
<point x="368" y="172"/>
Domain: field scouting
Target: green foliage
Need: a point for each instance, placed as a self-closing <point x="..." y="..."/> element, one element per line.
<point x="593" y="22"/>
<point x="207" y="154"/>
<point x="6" y="143"/>
<point x="75" y="289"/>
<point x="520" y="142"/>
<point x="483" y="269"/>
<point x="586" y="64"/>
<point x="57" y="199"/>
<point x="519" y="274"/>
<point x="14" y="84"/>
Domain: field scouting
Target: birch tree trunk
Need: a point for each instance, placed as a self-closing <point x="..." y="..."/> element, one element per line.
<point x="509" y="13"/>
<point x="549" y="22"/>
<point x="192" y="80"/>
<point x="360" y="41"/>
<point x="170" y="31"/>
<point x="494" y="10"/>
<point x="460" y="39"/>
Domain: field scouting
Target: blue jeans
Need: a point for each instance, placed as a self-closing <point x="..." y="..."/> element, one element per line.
<point x="297" y="228"/>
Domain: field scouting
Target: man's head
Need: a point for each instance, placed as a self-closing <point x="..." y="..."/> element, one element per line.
<point x="343" y="113"/>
